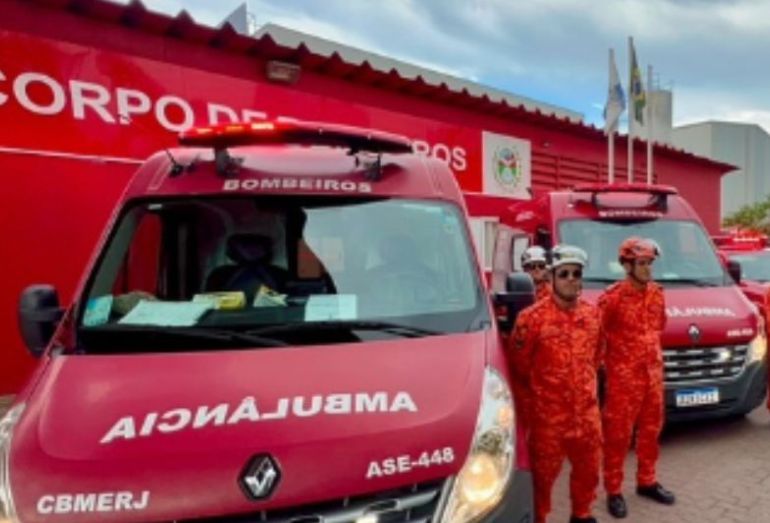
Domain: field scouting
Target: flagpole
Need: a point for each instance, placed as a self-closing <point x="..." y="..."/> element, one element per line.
<point x="611" y="137"/>
<point x="650" y="120"/>
<point x="631" y="110"/>
<point x="611" y="156"/>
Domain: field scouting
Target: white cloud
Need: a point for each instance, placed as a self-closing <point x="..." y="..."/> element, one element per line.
<point x="694" y="105"/>
<point x="552" y="50"/>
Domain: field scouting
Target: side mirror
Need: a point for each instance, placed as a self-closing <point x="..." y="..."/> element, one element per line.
<point x="734" y="270"/>
<point x="519" y="294"/>
<point x="39" y="314"/>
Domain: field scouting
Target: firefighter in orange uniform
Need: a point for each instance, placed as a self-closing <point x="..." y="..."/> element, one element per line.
<point x="534" y="262"/>
<point x="554" y="352"/>
<point x="633" y="317"/>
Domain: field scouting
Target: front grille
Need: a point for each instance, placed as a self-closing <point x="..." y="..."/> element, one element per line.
<point x="704" y="363"/>
<point x="413" y="504"/>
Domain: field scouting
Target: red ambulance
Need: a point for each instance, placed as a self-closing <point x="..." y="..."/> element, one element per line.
<point x="284" y="321"/>
<point x="714" y="344"/>
<point x="750" y="250"/>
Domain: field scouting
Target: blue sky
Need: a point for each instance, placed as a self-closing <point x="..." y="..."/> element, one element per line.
<point x="712" y="53"/>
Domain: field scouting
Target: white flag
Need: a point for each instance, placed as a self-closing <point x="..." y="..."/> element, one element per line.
<point x="616" y="99"/>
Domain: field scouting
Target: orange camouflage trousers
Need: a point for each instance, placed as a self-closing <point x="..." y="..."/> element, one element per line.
<point x="633" y="399"/>
<point x="549" y="444"/>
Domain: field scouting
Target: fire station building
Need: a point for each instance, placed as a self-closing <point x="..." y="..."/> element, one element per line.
<point x="89" y="88"/>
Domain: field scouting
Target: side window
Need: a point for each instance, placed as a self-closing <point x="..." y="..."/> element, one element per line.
<point x="508" y="248"/>
<point x="320" y="254"/>
<point x="490" y="234"/>
<point x="139" y="269"/>
<point x="323" y="259"/>
<point x="484" y="231"/>
<point x="308" y="264"/>
<point x="520" y="244"/>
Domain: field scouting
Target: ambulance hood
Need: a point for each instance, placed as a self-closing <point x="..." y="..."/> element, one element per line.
<point x="157" y="437"/>
<point x="721" y="315"/>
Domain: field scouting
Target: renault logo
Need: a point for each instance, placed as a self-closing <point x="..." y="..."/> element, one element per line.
<point x="260" y="477"/>
<point x="694" y="333"/>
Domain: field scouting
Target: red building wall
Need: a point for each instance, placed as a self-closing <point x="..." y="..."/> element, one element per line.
<point x="63" y="164"/>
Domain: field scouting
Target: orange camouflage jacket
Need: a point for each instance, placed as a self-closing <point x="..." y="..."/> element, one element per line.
<point x="633" y="320"/>
<point x="554" y="354"/>
<point x="543" y="290"/>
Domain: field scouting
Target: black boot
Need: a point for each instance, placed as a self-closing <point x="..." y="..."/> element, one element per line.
<point x="589" y="519"/>
<point x="657" y="492"/>
<point x="616" y="506"/>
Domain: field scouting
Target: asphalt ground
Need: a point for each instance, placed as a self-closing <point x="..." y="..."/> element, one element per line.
<point x="719" y="471"/>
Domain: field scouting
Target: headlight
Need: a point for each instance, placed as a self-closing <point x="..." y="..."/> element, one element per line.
<point x="480" y="485"/>
<point x="758" y="346"/>
<point x="757" y="349"/>
<point x="7" y="511"/>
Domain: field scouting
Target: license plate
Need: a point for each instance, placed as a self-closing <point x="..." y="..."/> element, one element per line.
<point x="695" y="397"/>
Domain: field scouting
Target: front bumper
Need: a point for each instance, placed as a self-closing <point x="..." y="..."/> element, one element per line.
<point x="517" y="505"/>
<point x="737" y="396"/>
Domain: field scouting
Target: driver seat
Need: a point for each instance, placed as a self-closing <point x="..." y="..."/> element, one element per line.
<point x="252" y="254"/>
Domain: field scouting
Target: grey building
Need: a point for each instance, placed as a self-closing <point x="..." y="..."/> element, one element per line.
<point x="657" y="117"/>
<point x="744" y="145"/>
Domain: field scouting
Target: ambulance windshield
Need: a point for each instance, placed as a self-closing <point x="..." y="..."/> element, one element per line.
<point x="687" y="255"/>
<point x="290" y="266"/>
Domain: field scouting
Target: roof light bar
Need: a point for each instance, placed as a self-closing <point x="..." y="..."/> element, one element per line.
<point x="597" y="188"/>
<point x="614" y="208"/>
<point x="742" y="239"/>
<point x="297" y="133"/>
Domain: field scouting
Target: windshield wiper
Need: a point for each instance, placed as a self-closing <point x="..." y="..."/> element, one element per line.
<point x="407" y="331"/>
<point x="225" y="335"/>
<point x="234" y="335"/>
<point x="689" y="281"/>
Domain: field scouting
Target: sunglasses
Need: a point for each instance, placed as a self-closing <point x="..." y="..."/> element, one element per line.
<point x="563" y="275"/>
<point x="533" y="266"/>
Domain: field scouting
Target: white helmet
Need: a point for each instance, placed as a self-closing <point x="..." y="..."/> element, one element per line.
<point x="533" y="254"/>
<point x="565" y="254"/>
